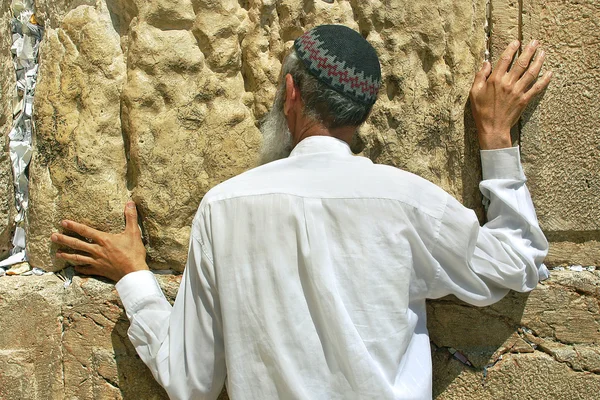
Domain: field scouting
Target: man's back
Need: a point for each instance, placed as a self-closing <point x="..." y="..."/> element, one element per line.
<point x="322" y="263"/>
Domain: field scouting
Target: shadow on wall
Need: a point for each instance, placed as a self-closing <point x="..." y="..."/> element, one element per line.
<point x="471" y="167"/>
<point x="135" y="380"/>
<point x="481" y="334"/>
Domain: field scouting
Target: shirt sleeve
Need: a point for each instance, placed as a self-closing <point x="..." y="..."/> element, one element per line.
<point x="480" y="264"/>
<point x="182" y="345"/>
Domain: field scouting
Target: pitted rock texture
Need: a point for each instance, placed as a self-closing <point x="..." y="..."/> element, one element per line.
<point x="7" y="91"/>
<point x="73" y="343"/>
<point x="79" y="165"/>
<point x="185" y="84"/>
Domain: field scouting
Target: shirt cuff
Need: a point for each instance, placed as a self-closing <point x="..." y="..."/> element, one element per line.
<point x="502" y="164"/>
<point x="136" y="286"/>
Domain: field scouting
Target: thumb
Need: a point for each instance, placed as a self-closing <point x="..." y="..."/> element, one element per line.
<point x="483" y="74"/>
<point x="131" y="218"/>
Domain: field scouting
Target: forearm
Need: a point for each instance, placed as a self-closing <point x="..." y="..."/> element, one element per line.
<point x="512" y="220"/>
<point x="181" y="345"/>
<point x="479" y="264"/>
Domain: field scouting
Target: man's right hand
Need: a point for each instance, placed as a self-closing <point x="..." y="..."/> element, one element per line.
<point x="499" y="98"/>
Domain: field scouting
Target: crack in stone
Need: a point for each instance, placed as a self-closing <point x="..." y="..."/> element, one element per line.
<point x="61" y="345"/>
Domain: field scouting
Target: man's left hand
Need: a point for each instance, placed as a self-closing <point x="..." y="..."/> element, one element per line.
<point x="110" y="255"/>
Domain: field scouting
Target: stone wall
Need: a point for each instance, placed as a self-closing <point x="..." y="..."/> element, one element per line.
<point x="160" y="100"/>
<point x="545" y="345"/>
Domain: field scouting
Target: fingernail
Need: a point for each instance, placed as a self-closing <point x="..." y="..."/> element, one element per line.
<point x="543" y="54"/>
<point x="65" y="224"/>
<point x="550" y="74"/>
<point x="130" y="204"/>
<point x="534" y="43"/>
<point x="54" y="237"/>
<point x="515" y="43"/>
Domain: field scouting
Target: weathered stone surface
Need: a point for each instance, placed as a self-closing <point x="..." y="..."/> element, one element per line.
<point x="79" y="165"/>
<point x="30" y="343"/>
<point x="73" y="343"/>
<point x="188" y="129"/>
<point x="98" y="359"/>
<point x="200" y="74"/>
<point x="527" y="376"/>
<point x="7" y="90"/>
<point x="560" y="136"/>
<point x="542" y="345"/>
<point x="565" y="253"/>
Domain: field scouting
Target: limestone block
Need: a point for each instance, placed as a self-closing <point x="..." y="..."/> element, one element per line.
<point x="30" y="344"/>
<point x="545" y="344"/>
<point x="581" y="253"/>
<point x="167" y="14"/>
<point x="79" y="165"/>
<point x="7" y="89"/>
<point x="188" y="130"/>
<point x="529" y="376"/>
<point x="99" y="360"/>
<point x="73" y="343"/>
<point x="560" y="135"/>
<point x="50" y="13"/>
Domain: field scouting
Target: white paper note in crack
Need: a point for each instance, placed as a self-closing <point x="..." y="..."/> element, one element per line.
<point x="14" y="259"/>
<point x="19" y="239"/>
<point x="20" y="155"/>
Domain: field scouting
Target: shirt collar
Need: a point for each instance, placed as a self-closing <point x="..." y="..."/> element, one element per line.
<point x="321" y="144"/>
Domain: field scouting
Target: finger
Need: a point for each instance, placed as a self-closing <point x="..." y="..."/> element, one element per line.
<point x="482" y="74"/>
<point x="82" y="230"/>
<point x="72" y="242"/>
<point x="131" y="219"/>
<point x="539" y="86"/>
<point x="75" y="259"/>
<point x="522" y="63"/>
<point x="86" y="270"/>
<point x="532" y="73"/>
<point x="506" y="58"/>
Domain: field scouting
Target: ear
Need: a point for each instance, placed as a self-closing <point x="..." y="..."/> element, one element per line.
<point x="291" y="94"/>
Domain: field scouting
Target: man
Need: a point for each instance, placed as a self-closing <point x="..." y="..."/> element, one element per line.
<point x="307" y="277"/>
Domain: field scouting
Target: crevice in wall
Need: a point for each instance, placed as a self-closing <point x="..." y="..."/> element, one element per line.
<point x="26" y="35"/>
<point x="519" y="128"/>
<point x="61" y="320"/>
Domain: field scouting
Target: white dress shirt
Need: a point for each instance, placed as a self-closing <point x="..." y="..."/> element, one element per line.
<point x="307" y="277"/>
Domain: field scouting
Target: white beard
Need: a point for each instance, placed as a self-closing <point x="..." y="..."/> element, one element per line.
<point x="277" y="139"/>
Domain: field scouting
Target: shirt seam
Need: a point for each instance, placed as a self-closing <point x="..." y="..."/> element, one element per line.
<point x="208" y="202"/>
<point x="202" y="246"/>
<point x="435" y="246"/>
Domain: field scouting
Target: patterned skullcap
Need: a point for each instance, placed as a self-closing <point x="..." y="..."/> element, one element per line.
<point x="343" y="60"/>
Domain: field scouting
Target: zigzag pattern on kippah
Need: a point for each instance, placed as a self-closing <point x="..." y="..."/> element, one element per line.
<point x="325" y="66"/>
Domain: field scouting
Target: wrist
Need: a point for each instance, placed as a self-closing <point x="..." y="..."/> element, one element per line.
<point x="495" y="140"/>
<point x="130" y="269"/>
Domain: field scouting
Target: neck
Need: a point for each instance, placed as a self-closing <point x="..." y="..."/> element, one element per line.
<point x="344" y="133"/>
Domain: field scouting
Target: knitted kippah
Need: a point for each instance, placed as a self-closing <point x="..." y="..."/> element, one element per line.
<point x="343" y="60"/>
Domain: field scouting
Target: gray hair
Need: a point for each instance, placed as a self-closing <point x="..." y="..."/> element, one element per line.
<point x="321" y="103"/>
